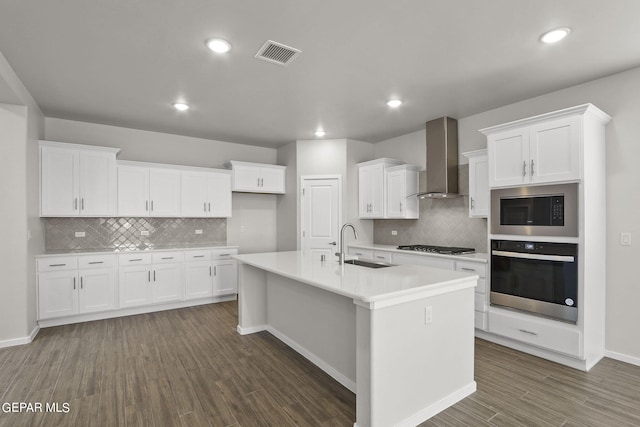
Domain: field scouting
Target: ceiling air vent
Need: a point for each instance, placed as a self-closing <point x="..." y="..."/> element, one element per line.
<point x="277" y="53"/>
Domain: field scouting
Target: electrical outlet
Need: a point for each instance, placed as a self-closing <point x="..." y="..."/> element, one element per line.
<point x="625" y="239"/>
<point x="428" y="315"/>
<point x="80" y="234"/>
<point x="198" y="231"/>
<point x="144" y="232"/>
<point x="394" y="232"/>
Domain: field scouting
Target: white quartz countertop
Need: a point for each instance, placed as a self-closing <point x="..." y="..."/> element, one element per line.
<point x="361" y="283"/>
<point x="129" y="250"/>
<point x="476" y="257"/>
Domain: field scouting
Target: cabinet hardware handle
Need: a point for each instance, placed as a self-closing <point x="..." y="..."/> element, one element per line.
<point x="471" y="199"/>
<point x="57" y="265"/>
<point x="379" y="257"/>
<point x="258" y="182"/>
<point x="136" y="259"/>
<point x="82" y="204"/>
<point x="209" y="271"/>
<point x="262" y="182"/>
<point x="146" y="206"/>
<point x="81" y="283"/>
<point x="96" y="262"/>
<point x="152" y="206"/>
<point x="75" y="203"/>
<point x="167" y="257"/>
<point x="224" y="254"/>
<point x="532" y="172"/>
<point x="74" y="283"/>
<point x="400" y="206"/>
<point x="467" y="269"/>
<point x="524" y="168"/>
<point x="209" y="206"/>
<point x="149" y="276"/>
<point x="527" y="332"/>
<point x="358" y="253"/>
<point x="198" y="256"/>
<point x="205" y="206"/>
<point x="215" y="271"/>
<point x="154" y="275"/>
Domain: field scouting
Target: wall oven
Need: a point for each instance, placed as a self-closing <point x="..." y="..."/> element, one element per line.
<point x="548" y="210"/>
<point x="536" y="277"/>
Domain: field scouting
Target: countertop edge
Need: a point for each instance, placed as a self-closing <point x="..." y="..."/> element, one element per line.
<point x="479" y="257"/>
<point x="145" y="251"/>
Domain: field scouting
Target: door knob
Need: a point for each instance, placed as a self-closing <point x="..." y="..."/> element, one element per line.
<point x="333" y="243"/>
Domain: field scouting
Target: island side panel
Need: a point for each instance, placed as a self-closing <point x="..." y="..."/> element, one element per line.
<point x="318" y="324"/>
<point x="252" y="299"/>
<point x="415" y="369"/>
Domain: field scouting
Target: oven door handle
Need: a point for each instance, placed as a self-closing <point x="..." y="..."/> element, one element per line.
<point x="541" y="257"/>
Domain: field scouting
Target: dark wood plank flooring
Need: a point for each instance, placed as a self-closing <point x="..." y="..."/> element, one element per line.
<point x="190" y="368"/>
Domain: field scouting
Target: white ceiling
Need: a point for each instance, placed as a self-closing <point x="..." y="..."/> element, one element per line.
<point x="123" y="62"/>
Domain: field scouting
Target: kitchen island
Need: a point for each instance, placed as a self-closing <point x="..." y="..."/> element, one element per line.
<point x="400" y="337"/>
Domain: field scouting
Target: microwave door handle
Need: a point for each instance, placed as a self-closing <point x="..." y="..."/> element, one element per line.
<point x="541" y="257"/>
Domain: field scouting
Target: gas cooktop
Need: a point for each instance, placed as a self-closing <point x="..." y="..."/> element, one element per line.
<point x="444" y="250"/>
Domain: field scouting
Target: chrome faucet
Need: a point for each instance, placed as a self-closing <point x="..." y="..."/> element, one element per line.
<point x="340" y="254"/>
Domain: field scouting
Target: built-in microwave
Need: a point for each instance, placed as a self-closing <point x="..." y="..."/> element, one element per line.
<point x="547" y="210"/>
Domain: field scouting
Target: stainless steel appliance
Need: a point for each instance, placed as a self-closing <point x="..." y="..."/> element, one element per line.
<point x="443" y="250"/>
<point x="547" y="210"/>
<point x="442" y="159"/>
<point x="536" y="277"/>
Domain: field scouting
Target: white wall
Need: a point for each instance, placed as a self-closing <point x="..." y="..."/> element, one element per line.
<point x="410" y="148"/>
<point x="288" y="203"/>
<point x="253" y="225"/>
<point x="618" y="96"/>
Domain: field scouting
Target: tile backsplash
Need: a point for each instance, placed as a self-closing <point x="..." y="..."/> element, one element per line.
<point x="132" y="233"/>
<point x="442" y="222"/>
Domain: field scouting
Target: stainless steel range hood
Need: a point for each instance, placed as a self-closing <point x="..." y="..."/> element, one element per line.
<point x="442" y="159"/>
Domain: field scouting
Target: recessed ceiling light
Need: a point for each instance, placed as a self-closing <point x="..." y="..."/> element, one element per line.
<point x="555" y="36"/>
<point x="394" y="103"/>
<point x="219" y="45"/>
<point x="320" y="133"/>
<point x="180" y="106"/>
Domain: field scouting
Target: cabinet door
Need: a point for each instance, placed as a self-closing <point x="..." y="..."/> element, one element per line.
<point x="225" y="277"/>
<point x="272" y="180"/>
<point x="164" y="192"/>
<point x="508" y="158"/>
<point x="198" y="279"/>
<point x="479" y="187"/>
<point x="135" y="285"/>
<point x="395" y="194"/>
<point x="59" y="182"/>
<point x="98" y="184"/>
<point x="57" y="294"/>
<point x="194" y="194"/>
<point x="377" y="191"/>
<point x="219" y="195"/>
<point x="133" y="191"/>
<point x="97" y="290"/>
<point x="246" y="178"/>
<point x="167" y="283"/>
<point x="555" y="150"/>
<point x="364" y="192"/>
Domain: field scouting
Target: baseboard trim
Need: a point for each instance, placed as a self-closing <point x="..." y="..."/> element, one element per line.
<point x="251" y="329"/>
<point x="330" y="370"/>
<point x="439" y="406"/>
<point x="622" y="357"/>
<point x="21" y="341"/>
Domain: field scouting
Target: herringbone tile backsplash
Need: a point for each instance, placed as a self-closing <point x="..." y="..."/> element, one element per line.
<point x="127" y="233"/>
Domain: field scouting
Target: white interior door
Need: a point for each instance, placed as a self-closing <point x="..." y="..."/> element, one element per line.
<point x="320" y="216"/>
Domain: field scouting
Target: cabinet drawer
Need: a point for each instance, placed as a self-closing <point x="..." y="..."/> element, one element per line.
<point x="224" y="253"/>
<point x="191" y="256"/>
<point x="134" y="259"/>
<point x="361" y="253"/>
<point x="167" y="257"/>
<point x="480" y="320"/>
<point x="382" y="256"/>
<point x="540" y="332"/>
<point x="472" y="267"/>
<point x="480" y="302"/>
<point x="97" y="261"/>
<point x="57" y="263"/>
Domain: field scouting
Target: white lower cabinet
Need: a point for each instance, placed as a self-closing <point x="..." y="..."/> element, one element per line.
<point x="76" y="285"/>
<point x="135" y="285"/>
<point x="198" y="279"/>
<point x="210" y="273"/>
<point x="225" y="277"/>
<point x="150" y="278"/>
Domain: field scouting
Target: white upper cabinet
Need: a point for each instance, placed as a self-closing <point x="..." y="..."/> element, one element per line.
<point x="146" y="191"/>
<point x="402" y="187"/>
<point x="478" y="183"/>
<point x="258" y="177"/>
<point x="541" y="149"/>
<point x="206" y="194"/>
<point x="77" y="180"/>
<point x="387" y="188"/>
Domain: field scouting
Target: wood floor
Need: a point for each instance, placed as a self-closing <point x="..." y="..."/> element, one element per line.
<point x="190" y="368"/>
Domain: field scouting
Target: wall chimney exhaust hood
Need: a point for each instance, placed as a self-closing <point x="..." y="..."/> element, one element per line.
<point x="442" y="159"/>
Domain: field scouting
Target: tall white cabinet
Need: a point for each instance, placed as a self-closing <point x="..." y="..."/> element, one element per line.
<point x="478" y="183"/>
<point x="77" y="180"/>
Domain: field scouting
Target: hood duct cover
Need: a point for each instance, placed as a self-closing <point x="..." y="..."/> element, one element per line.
<point x="442" y="158"/>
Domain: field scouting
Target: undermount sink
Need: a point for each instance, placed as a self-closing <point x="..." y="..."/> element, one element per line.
<point x="370" y="264"/>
